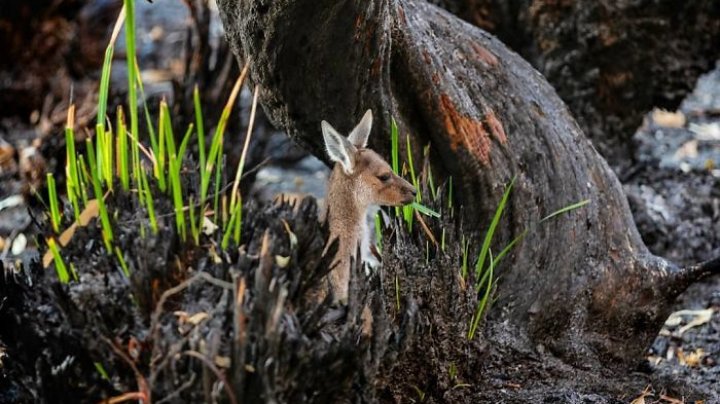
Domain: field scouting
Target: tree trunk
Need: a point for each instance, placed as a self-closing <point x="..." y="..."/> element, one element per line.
<point x="610" y="61"/>
<point x="583" y="284"/>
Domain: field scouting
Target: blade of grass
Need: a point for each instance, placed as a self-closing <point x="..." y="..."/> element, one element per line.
<point x="218" y="179"/>
<point x="122" y="262"/>
<point x="57" y="259"/>
<point x="482" y="303"/>
<point x="121" y="151"/>
<point x="54" y="203"/>
<point x="241" y="163"/>
<point x="229" y="230"/>
<point x="72" y="182"/>
<point x="394" y="153"/>
<point x="238" y="221"/>
<point x="159" y="153"/>
<point x="146" y="194"/>
<point x="509" y="247"/>
<point x="424" y="210"/>
<point x="491" y="230"/>
<point x="216" y="145"/>
<point x="103" y="144"/>
<point x="194" y="230"/>
<point x="176" y="191"/>
<point x="132" y="83"/>
<point x="565" y="209"/>
<point x="97" y="189"/>
<point x="184" y="143"/>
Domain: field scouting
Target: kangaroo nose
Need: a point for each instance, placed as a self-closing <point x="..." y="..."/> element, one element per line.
<point x="413" y="191"/>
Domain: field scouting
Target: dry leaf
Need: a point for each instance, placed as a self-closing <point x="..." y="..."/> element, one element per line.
<point x="90" y="212"/>
<point x="196" y="318"/>
<point x="668" y="119"/>
<point x="222" y="362"/>
<point x="281" y="261"/>
<point x="700" y="317"/>
<point x="208" y="227"/>
<point x="692" y="359"/>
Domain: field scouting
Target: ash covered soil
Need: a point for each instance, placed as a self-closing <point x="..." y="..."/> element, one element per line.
<point x="674" y="194"/>
<point x="54" y="339"/>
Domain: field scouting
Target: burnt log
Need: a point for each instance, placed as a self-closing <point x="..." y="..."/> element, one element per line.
<point x="583" y="285"/>
<point x="610" y="61"/>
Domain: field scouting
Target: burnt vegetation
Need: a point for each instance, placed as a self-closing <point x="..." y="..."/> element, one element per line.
<point x="572" y="299"/>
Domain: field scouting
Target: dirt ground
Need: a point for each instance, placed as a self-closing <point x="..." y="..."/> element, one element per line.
<point x="53" y="339"/>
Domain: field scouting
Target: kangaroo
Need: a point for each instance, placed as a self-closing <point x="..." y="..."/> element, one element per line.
<point x="359" y="180"/>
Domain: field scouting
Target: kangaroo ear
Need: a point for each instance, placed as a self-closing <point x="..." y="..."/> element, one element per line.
<point x="359" y="135"/>
<point x="339" y="148"/>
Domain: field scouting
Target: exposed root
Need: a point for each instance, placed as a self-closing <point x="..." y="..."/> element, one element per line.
<point x="693" y="273"/>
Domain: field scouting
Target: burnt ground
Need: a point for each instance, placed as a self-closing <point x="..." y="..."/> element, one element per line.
<point x="674" y="193"/>
<point x="55" y="338"/>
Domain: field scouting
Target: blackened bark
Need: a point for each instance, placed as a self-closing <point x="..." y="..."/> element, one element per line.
<point x="584" y="284"/>
<point x="610" y="61"/>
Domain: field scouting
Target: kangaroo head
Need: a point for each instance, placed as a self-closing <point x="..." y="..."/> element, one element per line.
<point x="362" y="171"/>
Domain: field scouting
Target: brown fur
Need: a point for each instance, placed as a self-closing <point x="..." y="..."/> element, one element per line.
<point x="348" y="200"/>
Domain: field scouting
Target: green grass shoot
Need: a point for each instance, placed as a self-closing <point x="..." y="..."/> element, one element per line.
<point x="57" y="259"/>
<point x="214" y="156"/>
<point x="409" y="210"/>
<point x="176" y="191"/>
<point x="424" y="210"/>
<point x="101" y="370"/>
<point x="121" y="260"/>
<point x="565" y="209"/>
<point x="97" y="189"/>
<point x="235" y="218"/>
<point x="194" y="229"/>
<point x="491" y="230"/>
<point x="55" y="217"/>
<point x="72" y="182"/>
<point x="146" y="194"/>
<point x="394" y="153"/>
<point x="482" y="303"/>
<point x="133" y="78"/>
<point x="121" y="150"/>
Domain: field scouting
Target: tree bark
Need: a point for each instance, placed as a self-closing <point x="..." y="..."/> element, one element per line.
<point x="610" y="61"/>
<point x="583" y="284"/>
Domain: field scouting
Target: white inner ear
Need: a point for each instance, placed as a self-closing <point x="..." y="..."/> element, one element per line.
<point x="339" y="149"/>
<point x="359" y="135"/>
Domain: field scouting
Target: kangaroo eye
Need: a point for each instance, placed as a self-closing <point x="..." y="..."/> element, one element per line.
<point x="383" y="177"/>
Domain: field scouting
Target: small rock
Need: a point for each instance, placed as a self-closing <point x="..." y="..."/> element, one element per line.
<point x="19" y="244"/>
